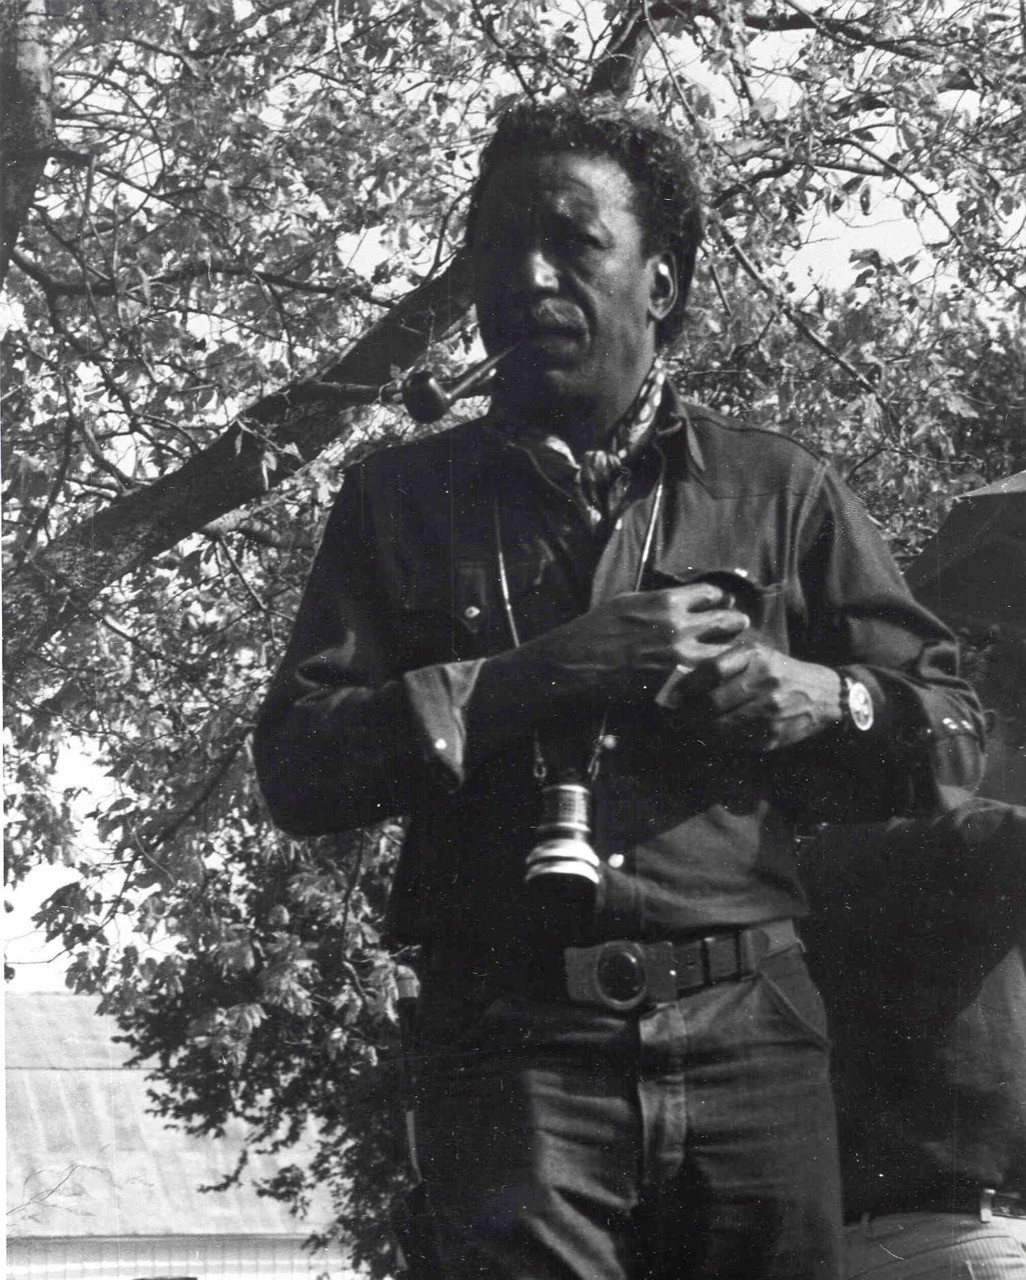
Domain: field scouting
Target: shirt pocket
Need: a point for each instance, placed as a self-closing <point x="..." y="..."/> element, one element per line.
<point x="460" y="614"/>
<point x="764" y="602"/>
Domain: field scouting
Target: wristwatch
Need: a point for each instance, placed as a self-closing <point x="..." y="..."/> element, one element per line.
<point x="856" y="703"/>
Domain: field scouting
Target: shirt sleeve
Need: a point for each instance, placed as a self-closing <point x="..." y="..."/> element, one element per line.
<point x="345" y="737"/>
<point x="925" y="750"/>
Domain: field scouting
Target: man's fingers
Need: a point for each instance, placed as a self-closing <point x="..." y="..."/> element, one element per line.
<point x="707" y="666"/>
<point x="698" y="596"/>
<point x="725" y="623"/>
<point x="732" y="663"/>
<point x="705" y="595"/>
<point x="730" y="690"/>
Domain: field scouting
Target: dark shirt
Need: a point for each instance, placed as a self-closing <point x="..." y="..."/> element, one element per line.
<point x="916" y="940"/>
<point x="372" y="710"/>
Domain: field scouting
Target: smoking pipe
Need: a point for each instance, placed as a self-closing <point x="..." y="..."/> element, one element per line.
<point x="425" y="398"/>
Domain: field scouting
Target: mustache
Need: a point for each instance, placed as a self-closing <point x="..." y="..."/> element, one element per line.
<point x="551" y="315"/>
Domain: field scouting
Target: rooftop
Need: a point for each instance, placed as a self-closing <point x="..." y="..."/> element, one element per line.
<point x="86" y="1158"/>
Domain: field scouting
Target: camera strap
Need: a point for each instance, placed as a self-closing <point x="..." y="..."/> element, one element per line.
<point x="600" y="743"/>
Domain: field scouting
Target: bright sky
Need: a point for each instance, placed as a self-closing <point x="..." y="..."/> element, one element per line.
<point x="39" y="966"/>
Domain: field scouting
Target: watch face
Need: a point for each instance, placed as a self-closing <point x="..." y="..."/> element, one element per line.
<point x="860" y="704"/>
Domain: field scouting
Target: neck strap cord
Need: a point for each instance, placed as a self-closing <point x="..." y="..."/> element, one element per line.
<point x="540" y="764"/>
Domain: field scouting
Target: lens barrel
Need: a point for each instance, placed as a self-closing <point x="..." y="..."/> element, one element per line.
<point x="562" y="871"/>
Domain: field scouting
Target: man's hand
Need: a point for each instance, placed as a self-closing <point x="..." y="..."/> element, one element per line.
<point x="765" y="700"/>
<point x="624" y="649"/>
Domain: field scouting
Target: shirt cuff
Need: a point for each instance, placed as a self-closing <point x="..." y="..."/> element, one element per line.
<point x="437" y="697"/>
<point x="943" y="752"/>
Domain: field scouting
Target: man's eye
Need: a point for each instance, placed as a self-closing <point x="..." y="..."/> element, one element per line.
<point x="578" y="239"/>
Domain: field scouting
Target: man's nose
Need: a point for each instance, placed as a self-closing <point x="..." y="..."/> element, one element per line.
<point x="535" y="271"/>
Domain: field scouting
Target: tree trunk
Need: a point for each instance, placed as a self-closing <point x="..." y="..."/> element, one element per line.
<point x="60" y="582"/>
<point x="56" y="585"/>
<point x="26" y="119"/>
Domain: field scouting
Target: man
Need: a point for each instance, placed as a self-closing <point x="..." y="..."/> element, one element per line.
<point x="623" y="1062"/>
<point x="917" y="939"/>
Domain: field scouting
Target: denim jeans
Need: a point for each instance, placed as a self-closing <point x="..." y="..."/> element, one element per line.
<point x="936" y="1246"/>
<point x="692" y="1141"/>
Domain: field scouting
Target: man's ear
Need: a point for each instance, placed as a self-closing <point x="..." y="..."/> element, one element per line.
<point x="663" y="286"/>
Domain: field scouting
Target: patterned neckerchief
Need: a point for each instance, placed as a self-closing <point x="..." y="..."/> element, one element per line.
<point x="598" y="478"/>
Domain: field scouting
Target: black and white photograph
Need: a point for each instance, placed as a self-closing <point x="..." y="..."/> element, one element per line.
<point x="514" y="639"/>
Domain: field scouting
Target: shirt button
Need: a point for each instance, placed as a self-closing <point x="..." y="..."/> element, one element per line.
<point x="616" y="861"/>
<point x="471" y="611"/>
<point x="440" y="744"/>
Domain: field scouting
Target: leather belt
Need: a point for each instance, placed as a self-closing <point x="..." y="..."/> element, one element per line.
<point x="965" y="1199"/>
<point x="622" y="975"/>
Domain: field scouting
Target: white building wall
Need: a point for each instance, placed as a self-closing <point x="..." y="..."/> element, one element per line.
<point x="171" y="1258"/>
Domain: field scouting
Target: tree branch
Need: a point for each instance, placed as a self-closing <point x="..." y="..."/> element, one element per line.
<point x="107" y="288"/>
<point x="259" y="450"/>
<point x="36" y="527"/>
<point x="628" y="42"/>
<point x="850" y="31"/>
<point x="146" y="849"/>
<point x="809" y="334"/>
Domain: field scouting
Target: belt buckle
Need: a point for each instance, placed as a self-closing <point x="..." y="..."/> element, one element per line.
<point x="622" y="975"/>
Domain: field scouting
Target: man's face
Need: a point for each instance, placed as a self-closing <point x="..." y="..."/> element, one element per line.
<point x="559" y="263"/>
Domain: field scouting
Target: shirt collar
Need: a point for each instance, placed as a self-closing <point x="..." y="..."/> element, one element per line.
<point x="672" y="419"/>
<point x="676" y="418"/>
<point x="592" y="472"/>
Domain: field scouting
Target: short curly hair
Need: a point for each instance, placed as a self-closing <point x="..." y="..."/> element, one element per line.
<point x="667" y="201"/>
